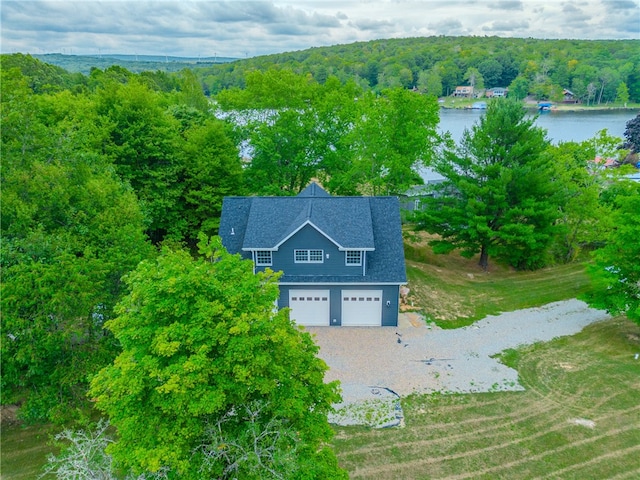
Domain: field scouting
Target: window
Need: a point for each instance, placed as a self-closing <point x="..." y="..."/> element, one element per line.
<point x="308" y="256"/>
<point x="354" y="257"/>
<point x="263" y="257"/>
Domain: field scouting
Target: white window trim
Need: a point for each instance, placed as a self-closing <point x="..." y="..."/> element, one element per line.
<point x="263" y="264"/>
<point x="308" y="255"/>
<point x="351" y="264"/>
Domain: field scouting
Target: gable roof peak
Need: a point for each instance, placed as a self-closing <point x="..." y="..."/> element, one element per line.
<point x="313" y="190"/>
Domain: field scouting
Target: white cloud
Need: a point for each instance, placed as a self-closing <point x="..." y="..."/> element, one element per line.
<point x="239" y="28"/>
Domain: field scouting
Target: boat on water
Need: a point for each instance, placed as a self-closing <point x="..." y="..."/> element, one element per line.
<point x="479" y="106"/>
<point x="545" y="106"/>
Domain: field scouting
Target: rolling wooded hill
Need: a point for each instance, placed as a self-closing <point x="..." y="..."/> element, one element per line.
<point x="595" y="70"/>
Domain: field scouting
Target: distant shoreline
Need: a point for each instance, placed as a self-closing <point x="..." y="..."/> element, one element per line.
<point x="562" y="108"/>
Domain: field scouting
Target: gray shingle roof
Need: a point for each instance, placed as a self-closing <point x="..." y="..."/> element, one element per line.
<point x="371" y="223"/>
<point x="344" y="220"/>
<point x="314" y="190"/>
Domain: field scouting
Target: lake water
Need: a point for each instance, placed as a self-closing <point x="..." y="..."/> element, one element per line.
<point x="561" y="126"/>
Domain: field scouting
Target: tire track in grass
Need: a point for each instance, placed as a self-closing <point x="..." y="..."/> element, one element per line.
<point x="539" y="406"/>
<point x="590" y="462"/>
<point x="632" y="474"/>
<point x="417" y="429"/>
<point x="472" y="453"/>
<point x="548" y="411"/>
<point x="498" y="424"/>
<point x="544" y="454"/>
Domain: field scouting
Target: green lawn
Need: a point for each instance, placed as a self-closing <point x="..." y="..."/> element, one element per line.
<point x="455" y="292"/>
<point x="24" y="450"/>
<point x="577" y="419"/>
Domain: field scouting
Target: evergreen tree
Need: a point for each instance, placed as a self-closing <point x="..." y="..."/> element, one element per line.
<point x="498" y="199"/>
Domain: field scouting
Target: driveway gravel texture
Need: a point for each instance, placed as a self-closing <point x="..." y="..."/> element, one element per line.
<point x="378" y="365"/>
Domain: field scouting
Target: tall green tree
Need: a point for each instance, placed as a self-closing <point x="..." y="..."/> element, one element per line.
<point x="491" y="71"/>
<point x="70" y="229"/>
<point x="519" y="88"/>
<point x="392" y="136"/>
<point x="430" y="82"/>
<point x="144" y="145"/>
<point x="212" y="170"/>
<point x="284" y="157"/>
<point x="498" y="199"/>
<point x="178" y="158"/>
<point x="203" y="347"/>
<point x="584" y="217"/>
<point x="615" y="271"/>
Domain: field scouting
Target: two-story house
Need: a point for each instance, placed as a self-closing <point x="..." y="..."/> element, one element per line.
<point x="342" y="258"/>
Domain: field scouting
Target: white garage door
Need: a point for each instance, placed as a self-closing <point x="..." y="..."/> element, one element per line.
<point x="361" y="307"/>
<point x="309" y="307"/>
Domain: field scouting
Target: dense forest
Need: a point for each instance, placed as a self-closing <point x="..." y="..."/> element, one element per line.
<point x="112" y="187"/>
<point x="595" y="71"/>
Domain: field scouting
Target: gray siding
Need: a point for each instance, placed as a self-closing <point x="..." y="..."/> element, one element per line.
<point x="309" y="238"/>
<point x="390" y="293"/>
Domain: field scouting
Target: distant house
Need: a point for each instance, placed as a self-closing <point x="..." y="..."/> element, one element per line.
<point x="569" y="97"/>
<point x="496" y="92"/>
<point x="342" y="258"/>
<point x="412" y="200"/>
<point x="463" y="91"/>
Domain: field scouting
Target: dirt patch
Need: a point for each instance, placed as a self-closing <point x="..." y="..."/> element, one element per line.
<point x="583" y="422"/>
<point x="567" y="367"/>
<point x="9" y="415"/>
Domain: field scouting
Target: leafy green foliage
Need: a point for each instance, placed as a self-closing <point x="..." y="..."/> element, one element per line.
<point x="284" y="153"/>
<point x="41" y="77"/>
<point x="544" y="67"/>
<point x="200" y="339"/>
<point x="355" y="141"/>
<point x="69" y="234"/>
<point x="70" y="230"/>
<point x="211" y="171"/>
<point x="392" y="136"/>
<point x="584" y="218"/>
<point x="498" y="197"/>
<point x="178" y="158"/>
<point x="616" y="270"/>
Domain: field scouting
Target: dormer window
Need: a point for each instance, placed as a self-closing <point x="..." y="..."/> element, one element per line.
<point x="354" y="257"/>
<point x="308" y="256"/>
<point x="263" y="258"/>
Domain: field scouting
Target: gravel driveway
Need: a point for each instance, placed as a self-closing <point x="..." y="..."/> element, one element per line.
<point x="374" y="363"/>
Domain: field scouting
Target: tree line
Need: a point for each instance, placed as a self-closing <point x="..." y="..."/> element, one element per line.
<point x="596" y="71"/>
<point x="117" y="294"/>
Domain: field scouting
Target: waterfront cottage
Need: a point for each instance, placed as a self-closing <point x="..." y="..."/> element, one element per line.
<point x="342" y="258"/>
<point x="463" y="91"/>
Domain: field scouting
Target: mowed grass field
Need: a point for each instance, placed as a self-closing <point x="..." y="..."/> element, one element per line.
<point x="579" y="418"/>
<point x="454" y="291"/>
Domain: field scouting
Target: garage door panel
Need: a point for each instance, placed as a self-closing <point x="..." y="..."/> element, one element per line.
<point x="310" y="307"/>
<point x="361" y="307"/>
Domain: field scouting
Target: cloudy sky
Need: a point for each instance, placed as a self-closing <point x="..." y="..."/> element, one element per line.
<point x="241" y="28"/>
